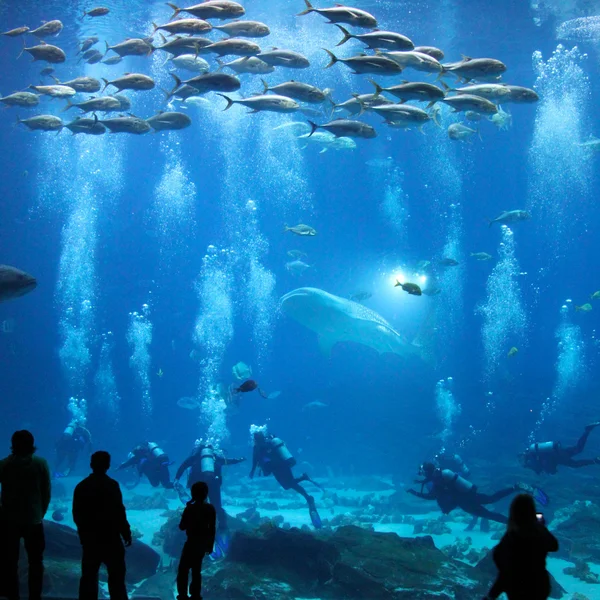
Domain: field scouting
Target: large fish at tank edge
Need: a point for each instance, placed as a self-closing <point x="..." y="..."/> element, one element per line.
<point x="336" y="319"/>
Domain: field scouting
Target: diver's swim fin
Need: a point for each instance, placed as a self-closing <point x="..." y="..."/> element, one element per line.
<point x="222" y="540"/>
<point x="541" y="497"/>
<point x="183" y="494"/>
<point x="314" y="515"/>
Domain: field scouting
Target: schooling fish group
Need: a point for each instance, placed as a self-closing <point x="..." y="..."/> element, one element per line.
<point x="386" y="54"/>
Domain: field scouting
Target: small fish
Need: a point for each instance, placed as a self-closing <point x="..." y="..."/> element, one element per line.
<point x="327" y="141"/>
<point x="190" y="62"/>
<point x="88" y="43"/>
<point x="481" y="256"/>
<point x="464" y="102"/>
<point x="460" y="132"/>
<point x="89" y="85"/>
<point x="592" y="143"/>
<point x="186" y="26"/>
<point x="362" y="64"/>
<point x="595" y="296"/>
<point x="169" y="121"/>
<point x="267" y="102"/>
<point x="133" y="125"/>
<point x="411" y="288"/>
<point x="471" y="115"/>
<point x="251" y="29"/>
<point x="316" y="404"/>
<point x="430" y="51"/>
<point x="24" y="99"/>
<point x="247" y="64"/>
<point x="211" y="9"/>
<point x="296" y="267"/>
<point x="99" y="11"/>
<point x="47" y="53"/>
<point x="301" y="229"/>
<point x="511" y="216"/>
<point x="86" y="126"/>
<point x="297" y="90"/>
<point x="343" y="14"/>
<point x="285" y="58"/>
<point x="378" y="39"/>
<point x="113" y="60"/>
<point x="448" y="262"/>
<point x="49" y="28"/>
<point x="55" y="91"/>
<point x="346" y="128"/>
<point x="132" y="47"/>
<point x="512" y="352"/>
<point x="160" y="373"/>
<point x="43" y="123"/>
<point x="47" y="71"/>
<point x="95" y="57"/>
<point x="15" y="32"/>
<point x="297" y="254"/>
<point x="584" y="308"/>
<point x="131" y="81"/>
<point x="432" y="291"/>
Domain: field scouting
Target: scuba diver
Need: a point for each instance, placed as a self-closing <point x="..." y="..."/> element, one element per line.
<point x="545" y="457"/>
<point x="451" y="491"/>
<point x="74" y="440"/>
<point x="205" y="464"/>
<point x="271" y="457"/>
<point x="152" y="462"/>
<point x="453" y="462"/>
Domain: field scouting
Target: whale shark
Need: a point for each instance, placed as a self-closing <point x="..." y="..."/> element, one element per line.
<point x="336" y="319"/>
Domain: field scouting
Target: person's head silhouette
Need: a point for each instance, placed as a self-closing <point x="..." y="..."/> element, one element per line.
<point x="100" y="462"/>
<point x="199" y="492"/>
<point x="22" y="443"/>
<point x="522" y="512"/>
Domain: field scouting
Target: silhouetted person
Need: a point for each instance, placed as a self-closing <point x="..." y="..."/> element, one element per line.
<point x="25" y="480"/>
<point x="545" y="457"/>
<point x="272" y="457"/>
<point x="206" y="464"/>
<point x="521" y="554"/>
<point x="151" y="461"/>
<point x="451" y="491"/>
<point x="199" y="522"/>
<point x="102" y="526"/>
<point x="74" y="440"/>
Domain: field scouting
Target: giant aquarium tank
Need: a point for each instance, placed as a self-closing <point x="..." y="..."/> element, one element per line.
<point x="337" y="262"/>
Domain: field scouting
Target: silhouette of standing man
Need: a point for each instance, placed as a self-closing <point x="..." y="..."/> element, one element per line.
<point x="199" y="521"/>
<point x="25" y="480"/>
<point x="102" y="525"/>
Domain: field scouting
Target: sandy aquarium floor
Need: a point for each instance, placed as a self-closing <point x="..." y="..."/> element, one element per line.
<point x="148" y="522"/>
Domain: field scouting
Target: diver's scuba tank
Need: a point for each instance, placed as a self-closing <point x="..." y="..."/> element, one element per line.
<point x="70" y="429"/>
<point x="207" y="460"/>
<point x="155" y="450"/>
<point x="456" y="482"/>
<point x="280" y="452"/>
<point x="543" y="448"/>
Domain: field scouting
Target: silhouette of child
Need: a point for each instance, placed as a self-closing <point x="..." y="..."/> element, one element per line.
<point x="199" y="522"/>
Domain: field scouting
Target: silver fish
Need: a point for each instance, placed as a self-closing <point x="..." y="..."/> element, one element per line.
<point x="251" y="29"/>
<point x="464" y="102"/>
<point x="234" y="47"/>
<point x="297" y="90"/>
<point x="343" y="14"/>
<point x="131" y="81"/>
<point x="268" y="102"/>
<point x="14" y="283"/>
<point x="511" y="216"/>
<point x="346" y="128"/>
<point x="247" y="64"/>
<point x="43" y="123"/>
<point x="49" y="28"/>
<point x="47" y="53"/>
<point x="211" y="9"/>
<point x="23" y="99"/>
<point x="169" y="121"/>
<point x="285" y="58"/>
<point x="82" y="84"/>
<point x="378" y="39"/>
<point x="190" y="26"/>
<point x="367" y="64"/>
<point x="127" y="125"/>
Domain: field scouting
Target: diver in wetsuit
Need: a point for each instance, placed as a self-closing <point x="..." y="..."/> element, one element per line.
<point x="453" y="462"/>
<point x="271" y="457"/>
<point x="74" y="440"/>
<point x="206" y="464"/>
<point x="545" y="457"/>
<point x="451" y="491"/>
<point x="152" y="462"/>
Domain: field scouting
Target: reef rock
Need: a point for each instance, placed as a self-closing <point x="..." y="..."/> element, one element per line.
<point x="577" y="528"/>
<point x="348" y="563"/>
<point x="62" y="559"/>
<point x="154" y="502"/>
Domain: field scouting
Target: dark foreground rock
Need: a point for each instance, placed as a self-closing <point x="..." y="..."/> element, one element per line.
<point x="63" y="561"/>
<point x="348" y="563"/>
<point x="577" y="528"/>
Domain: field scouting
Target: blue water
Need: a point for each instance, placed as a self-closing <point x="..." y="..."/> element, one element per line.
<point x="144" y="244"/>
